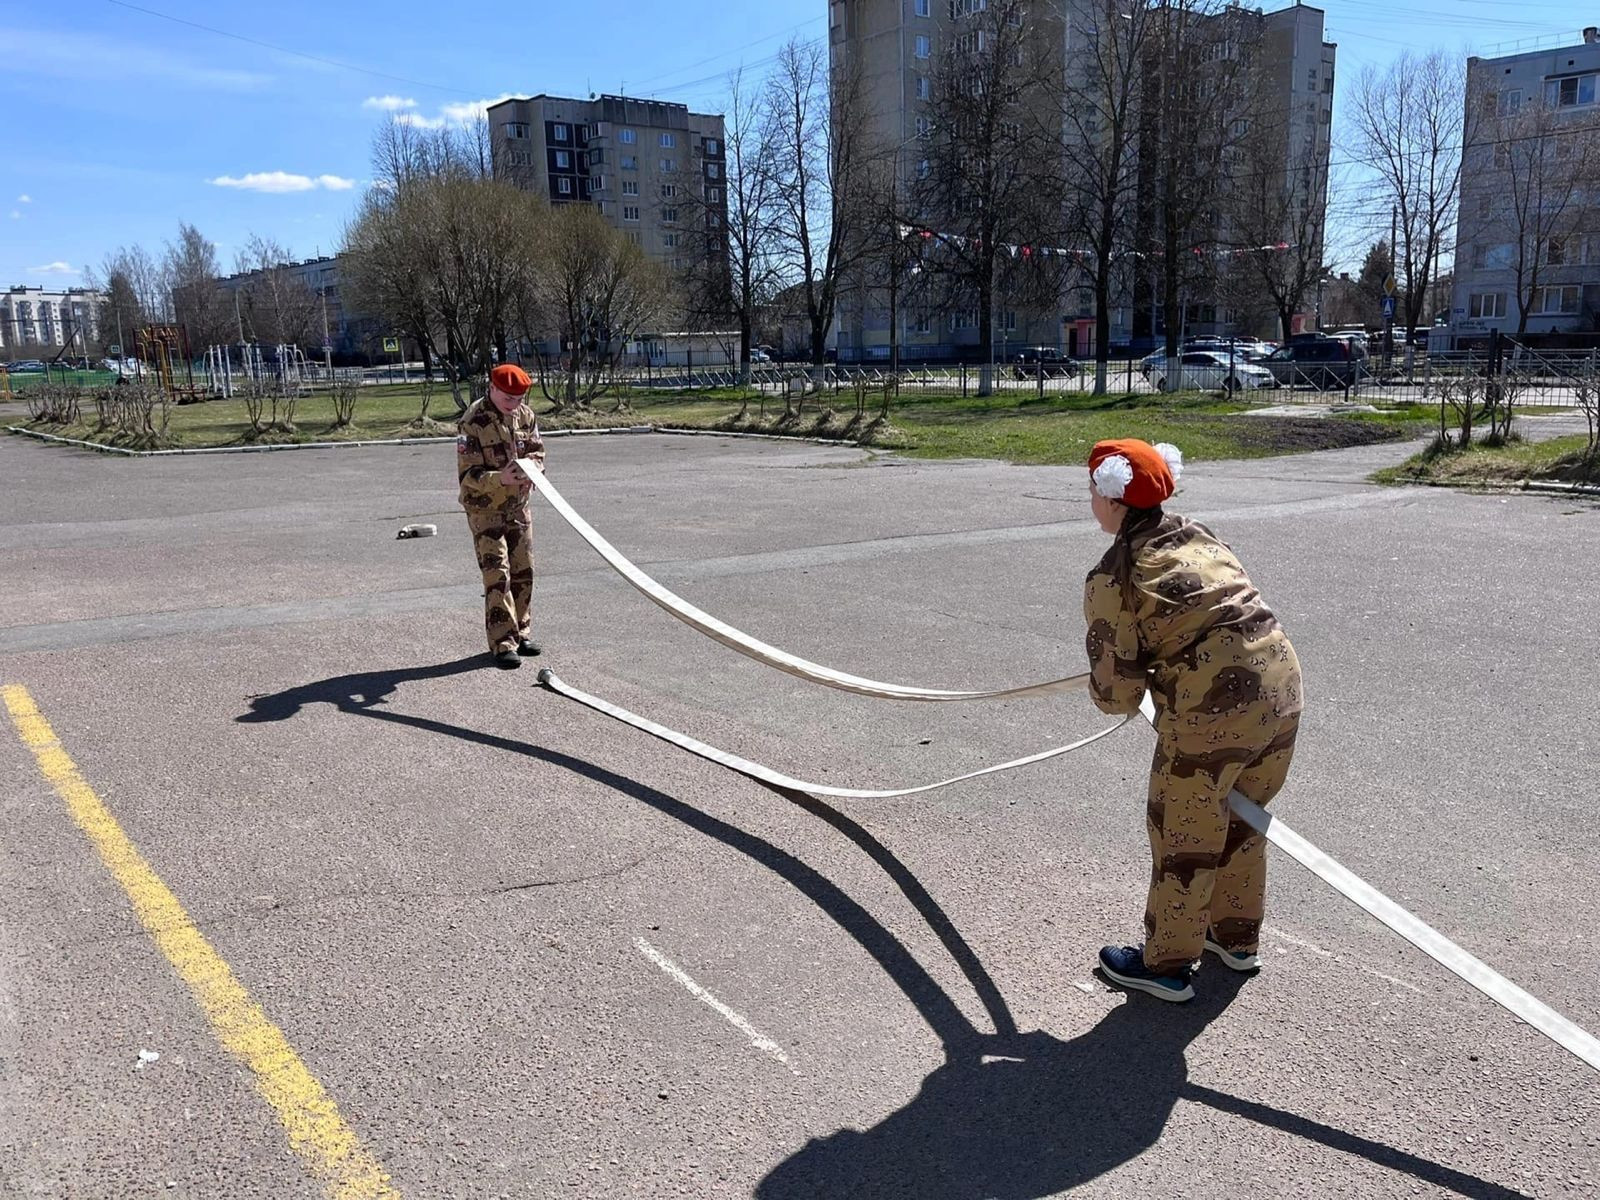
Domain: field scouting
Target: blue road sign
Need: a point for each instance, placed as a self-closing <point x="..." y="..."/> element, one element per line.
<point x="1388" y="306"/>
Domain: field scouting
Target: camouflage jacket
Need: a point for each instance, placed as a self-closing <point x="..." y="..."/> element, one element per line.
<point x="487" y="440"/>
<point x="1170" y="608"/>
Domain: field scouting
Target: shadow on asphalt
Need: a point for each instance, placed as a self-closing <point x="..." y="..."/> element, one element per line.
<point x="1010" y="1116"/>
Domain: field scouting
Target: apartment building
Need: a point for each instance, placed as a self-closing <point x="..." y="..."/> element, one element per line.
<point x="34" y="319"/>
<point x="891" y="49"/>
<point x="652" y="168"/>
<point x="1528" y="251"/>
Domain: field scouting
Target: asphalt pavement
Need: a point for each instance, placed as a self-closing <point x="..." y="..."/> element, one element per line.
<point x="524" y="950"/>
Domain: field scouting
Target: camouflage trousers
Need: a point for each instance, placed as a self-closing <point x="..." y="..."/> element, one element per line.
<point x="504" y="544"/>
<point x="1208" y="868"/>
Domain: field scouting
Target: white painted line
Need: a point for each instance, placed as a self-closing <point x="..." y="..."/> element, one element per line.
<point x="757" y="1039"/>
<point x="1318" y="950"/>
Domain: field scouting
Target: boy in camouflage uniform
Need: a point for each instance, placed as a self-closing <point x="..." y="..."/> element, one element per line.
<point x="1171" y="610"/>
<point x="493" y="432"/>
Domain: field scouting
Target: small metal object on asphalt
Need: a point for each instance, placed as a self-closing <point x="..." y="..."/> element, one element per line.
<point x="146" y="1056"/>
<point x="416" y="531"/>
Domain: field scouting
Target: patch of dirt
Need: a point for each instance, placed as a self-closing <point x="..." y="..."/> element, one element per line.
<point x="1292" y="435"/>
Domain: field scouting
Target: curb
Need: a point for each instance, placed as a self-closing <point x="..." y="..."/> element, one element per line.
<point x="102" y="448"/>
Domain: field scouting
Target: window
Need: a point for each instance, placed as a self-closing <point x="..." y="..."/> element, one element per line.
<point x="713" y="195"/>
<point x="598" y="183"/>
<point x="668" y="190"/>
<point x="1486" y="306"/>
<point x="923" y="8"/>
<point x="1009" y="321"/>
<point x="627" y="136"/>
<point x="1558" y="301"/>
<point x="630" y="212"/>
<point x="668" y="141"/>
<point x="630" y="187"/>
<point x="1555" y="252"/>
<point x="1493" y="258"/>
<point x="924" y="127"/>
<point x="924" y="168"/>
<point x="559" y="133"/>
<point x="922" y="324"/>
<point x="1311" y="78"/>
<point x="713" y="171"/>
<point x="1502" y="156"/>
<point x="564" y="186"/>
<point x="1570" y="92"/>
<point x="630" y="162"/>
<point x="519" y="158"/>
<point x="924" y="90"/>
<point x="563" y="160"/>
<point x="669" y="240"/>
<point x="669" y="165"/>
<point x="636" y="237"/>
<point x="924" y="46"/>
<point x="516" y="129"/>
<point x="669" y="214"/>
<point x="1510" y="101"/>
<point x="713" y="147"/>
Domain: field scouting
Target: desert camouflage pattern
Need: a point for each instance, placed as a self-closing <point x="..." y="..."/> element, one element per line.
<point x="1170" y="610"/>
<point x="498" y="516"/>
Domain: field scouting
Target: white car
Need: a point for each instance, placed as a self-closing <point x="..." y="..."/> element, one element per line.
<point x="1206" y="371"/>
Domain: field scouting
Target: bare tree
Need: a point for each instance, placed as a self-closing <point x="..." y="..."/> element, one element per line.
<point x="1533" y="217"/>
<point x="275" y="303"/>
<point x="1277" y="216"/>
<point x="733" y="259"/>
<point x="597" y="290"/>
<point x="191" y="274"/>
<point x="988" y="156"/>
<point x="818" y="163"/>
<point x="1100" y="120"/>
<point x="1409" y="121"/>
<point x="1199" y="91"/>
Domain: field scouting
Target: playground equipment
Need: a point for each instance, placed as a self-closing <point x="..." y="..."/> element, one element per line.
<point x="226" y="366"/>
<point x="164" y="349"/>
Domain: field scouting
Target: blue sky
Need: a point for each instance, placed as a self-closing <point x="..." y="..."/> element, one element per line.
<point x="125" y="117"/>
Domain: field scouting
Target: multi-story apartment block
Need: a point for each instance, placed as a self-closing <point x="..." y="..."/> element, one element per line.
<point x="34" y="319"/>
<point x="1528" y="249"/>
<point x="308" y="309"/>
<point x="891" y="50"/>
<point x="653" y="169"/>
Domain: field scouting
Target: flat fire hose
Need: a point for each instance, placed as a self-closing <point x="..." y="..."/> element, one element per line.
<point x="776" y="778"/>
<point x="735" y="639"/>
<point x="1515" y="1000"/>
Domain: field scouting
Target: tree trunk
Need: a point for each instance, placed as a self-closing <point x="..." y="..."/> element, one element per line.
<point x="986" y="334"/>
<point x="1102" y="331"/>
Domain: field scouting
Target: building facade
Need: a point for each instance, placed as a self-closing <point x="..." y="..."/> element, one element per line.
<point x="891" y="48"/>
<point x="35" y="320"/>
<point x="653" y="169"/>
<point x="1528" y="250"/>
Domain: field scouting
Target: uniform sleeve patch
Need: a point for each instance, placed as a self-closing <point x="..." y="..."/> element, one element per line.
<point x="462" y="444"/>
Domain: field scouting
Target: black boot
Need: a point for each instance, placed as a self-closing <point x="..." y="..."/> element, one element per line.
<point x="529" y="648"/>
<point x="507" y="660"/>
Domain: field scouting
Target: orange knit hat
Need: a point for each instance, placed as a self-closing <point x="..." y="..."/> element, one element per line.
<point x="1134" y="472"/>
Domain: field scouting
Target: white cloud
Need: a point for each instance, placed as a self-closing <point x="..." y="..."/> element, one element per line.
<point x="55" y="268"/>
<point x="459" y="113"/>
<point x="24" y="199"/>
<point x="389" y="103"/>
<point x="282" y="182"/>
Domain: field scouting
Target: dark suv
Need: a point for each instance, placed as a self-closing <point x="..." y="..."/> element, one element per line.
<point x="1321" y="362"/>
<point x="1045" y="360"/>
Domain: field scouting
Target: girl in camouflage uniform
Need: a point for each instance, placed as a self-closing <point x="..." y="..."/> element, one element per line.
<point x="1171" y="611"/>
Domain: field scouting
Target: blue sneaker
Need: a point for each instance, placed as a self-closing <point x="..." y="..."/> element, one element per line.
<point x="1234" y="960"/>
<point x="1124" y="966"/>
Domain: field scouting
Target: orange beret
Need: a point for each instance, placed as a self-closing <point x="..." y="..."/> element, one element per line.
<point x="510" y="379"/>
<point x="1149" y="477"/>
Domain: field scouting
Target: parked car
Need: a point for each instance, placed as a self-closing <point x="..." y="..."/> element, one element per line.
<point x="1205" y="370"/>
<point x="24" y="366"/>
<point x="759" y="356"/>
<point x="1322" y="362"/>
<point x="1045" y="360"/>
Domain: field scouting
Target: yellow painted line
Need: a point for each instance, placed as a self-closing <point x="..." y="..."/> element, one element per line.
<point x="329" y="1148"/>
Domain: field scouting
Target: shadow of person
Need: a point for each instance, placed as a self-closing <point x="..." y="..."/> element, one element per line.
<point x="1030" y="1116"/>
<point x="352" y="693"/>
<point x="1009" y="1116"/>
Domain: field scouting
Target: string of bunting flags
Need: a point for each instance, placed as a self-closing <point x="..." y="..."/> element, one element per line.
<point x="1025" y="251"/>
